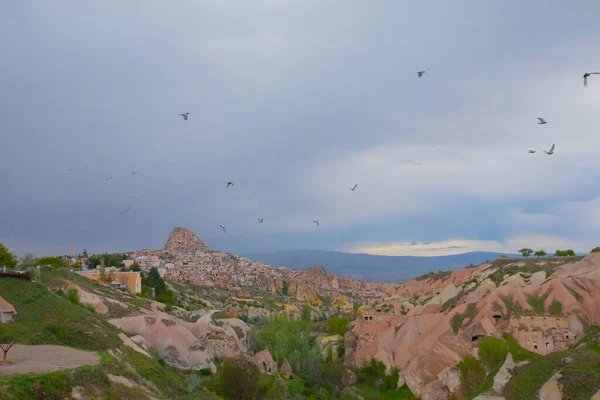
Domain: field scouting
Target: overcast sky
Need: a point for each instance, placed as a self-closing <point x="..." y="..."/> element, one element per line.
<point x="295" y="101"/>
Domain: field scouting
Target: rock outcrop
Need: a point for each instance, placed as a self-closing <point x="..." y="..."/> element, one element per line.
<point x="187" y="345"/>
<point x="181" y="240"/>
<point x="427" y="326"/>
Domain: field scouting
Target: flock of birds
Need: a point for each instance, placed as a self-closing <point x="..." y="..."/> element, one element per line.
<point x="541" y="121"/>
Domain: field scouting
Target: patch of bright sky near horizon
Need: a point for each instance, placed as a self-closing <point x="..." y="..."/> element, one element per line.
<point x="295" y="101"/>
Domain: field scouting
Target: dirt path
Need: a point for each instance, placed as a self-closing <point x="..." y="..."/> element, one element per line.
<point x="25" y="359"/>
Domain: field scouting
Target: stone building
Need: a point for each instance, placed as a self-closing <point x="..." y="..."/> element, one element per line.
<point x="7" y="311"/>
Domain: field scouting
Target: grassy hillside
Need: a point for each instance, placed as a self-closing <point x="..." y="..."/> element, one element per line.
<point x="580" y="368"/>
<point x="46" y="317"/>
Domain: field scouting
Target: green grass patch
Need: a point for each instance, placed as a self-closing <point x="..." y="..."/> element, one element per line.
<point x="487" y="384"/>
<point x="574" y="292"/>
<point x="537" y="303"/>
<point x="555" y="308"/>
<point x="370" y="392"/>
<point x="458" y="319"/>
<point x="512" y="307"/>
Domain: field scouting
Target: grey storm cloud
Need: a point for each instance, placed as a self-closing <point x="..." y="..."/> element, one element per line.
<point x="294" y="101"/>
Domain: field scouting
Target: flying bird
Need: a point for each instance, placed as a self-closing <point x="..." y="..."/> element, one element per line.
<point x="70" y="169"/>
<point x="585" y="76"/>
<point x="230" y="184"/>
<point x="128" y="208"/>
<point x="9" y="233"/>
<point x="316" y="222"/>
<point x="354" y="188"/>
<point x="184" y="115"/>
<point x="531" y="151"/>
<point x="110" y="177"/>
<point x="420" y="73"/>
<point x="551" y="151"/>
<point x="224" y="228"/>
<point x="542" y="121"/>
<point x="260" y="220"/>
<point x="133" y="172"/>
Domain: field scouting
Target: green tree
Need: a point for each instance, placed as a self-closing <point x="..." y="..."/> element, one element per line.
<point x="284" y="290"/>
<point x="306" y="313"/>
<point x="337" y="325"/>
<point x="564" y="253"/>
<point x="371" y="371"/>
<point x="28" y="260"/>
<point x="391" y="380"/>
<point x="53" y="262"/>
<point x="492" y="351"/>
<point x="286" y="338"/>
<point x="7" y="341"/>
<point x="540" y="253"/>
<point x="106" y="276"/>
<point x="7" y="259"/>
<point x="154" y="280"/>
<point x="238" y="378"/>
<point x="85" y="253"/>
<point x="525" y="252"/>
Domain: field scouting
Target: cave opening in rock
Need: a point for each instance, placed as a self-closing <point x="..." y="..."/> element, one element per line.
<point x="476" y="338"/>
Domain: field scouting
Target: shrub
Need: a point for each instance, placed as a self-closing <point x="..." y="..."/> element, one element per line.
<point x="472" y="374"/>
<point x="15" y="274"/>
<point x="458" y="319"/>
<point x="456" y="322"/>
<point x="596" y="250"/>
<point x="73" y="295"/>
<point x="91" y="308"/>
<point x="192" y="382"/>
<point x="239" y="332"/>
<point x="221" y="315"/>
<point x="371" y="372"/>
<point x="337" y="325"/>
<point x="492" y="352"/>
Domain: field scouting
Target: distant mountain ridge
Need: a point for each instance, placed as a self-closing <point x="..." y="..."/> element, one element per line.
<point x="370" y="267"/>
